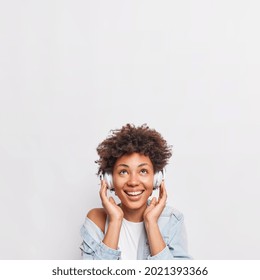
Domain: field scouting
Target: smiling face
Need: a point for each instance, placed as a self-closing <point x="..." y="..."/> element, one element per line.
<point x="133" y="180"/>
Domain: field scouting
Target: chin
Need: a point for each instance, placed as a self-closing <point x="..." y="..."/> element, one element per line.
<point x="134" y="205"/>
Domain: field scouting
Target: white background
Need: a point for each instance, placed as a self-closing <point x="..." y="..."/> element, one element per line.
<point x="70" y="71"/>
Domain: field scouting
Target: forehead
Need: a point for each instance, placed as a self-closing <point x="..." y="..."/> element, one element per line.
<point x="133" y="160"/>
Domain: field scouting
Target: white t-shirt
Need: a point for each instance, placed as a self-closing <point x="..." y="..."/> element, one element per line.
<point x="132" y="236"/>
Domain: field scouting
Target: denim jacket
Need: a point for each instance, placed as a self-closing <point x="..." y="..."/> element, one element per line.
<point x="171" y="225"/>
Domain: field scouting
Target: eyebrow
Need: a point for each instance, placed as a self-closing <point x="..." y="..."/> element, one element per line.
<point x="125" y="165"/>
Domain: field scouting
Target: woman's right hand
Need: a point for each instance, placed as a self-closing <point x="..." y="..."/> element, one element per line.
<point x="114" y="212"/>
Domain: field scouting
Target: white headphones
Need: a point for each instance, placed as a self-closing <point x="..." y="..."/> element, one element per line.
<point x="159" y="176"/>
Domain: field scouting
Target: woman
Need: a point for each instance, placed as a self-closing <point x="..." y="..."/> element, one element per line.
<point x="131" y="163"/>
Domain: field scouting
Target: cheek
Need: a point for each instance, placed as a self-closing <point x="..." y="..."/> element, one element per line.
<point x="147" y="181"/>
<point x="118" y="184"/>
<point x="118" y="180"/>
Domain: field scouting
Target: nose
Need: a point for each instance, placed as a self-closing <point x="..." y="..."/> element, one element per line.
<point x="133" y="180"/>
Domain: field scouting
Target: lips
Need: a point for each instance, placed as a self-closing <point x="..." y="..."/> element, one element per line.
<point x="133" y="194"/>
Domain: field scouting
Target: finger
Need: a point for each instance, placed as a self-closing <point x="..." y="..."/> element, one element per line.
<point x="111" y="200"/>
<point x="163" y="193"/>
<point x="161" y="189"/>
<point x="103" y="190"/>
<point x="153" y="202"/>
<point x="102" y="187"/>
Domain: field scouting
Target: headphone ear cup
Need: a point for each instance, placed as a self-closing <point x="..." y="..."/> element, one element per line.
<point x="158" y="178"/>
<point x="109" y="180"/>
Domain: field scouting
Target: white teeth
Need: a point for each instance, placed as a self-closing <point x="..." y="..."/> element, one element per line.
<point x="134" y="193"/>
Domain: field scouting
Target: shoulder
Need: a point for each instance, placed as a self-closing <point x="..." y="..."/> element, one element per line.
<point x="171" y="212"/>
<point x="98" y="216"/>
<point x="170" y="218"/>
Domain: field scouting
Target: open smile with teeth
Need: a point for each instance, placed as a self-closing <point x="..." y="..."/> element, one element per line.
<point x="134" y="193"/>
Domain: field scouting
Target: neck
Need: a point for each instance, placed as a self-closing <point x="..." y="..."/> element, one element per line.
<point x="133" y="215"/>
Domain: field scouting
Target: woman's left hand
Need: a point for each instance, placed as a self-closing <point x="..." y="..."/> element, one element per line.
<point x="154" y="210"/>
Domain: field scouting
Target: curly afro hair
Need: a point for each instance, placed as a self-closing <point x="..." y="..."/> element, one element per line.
<point x="131" y="139"/>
